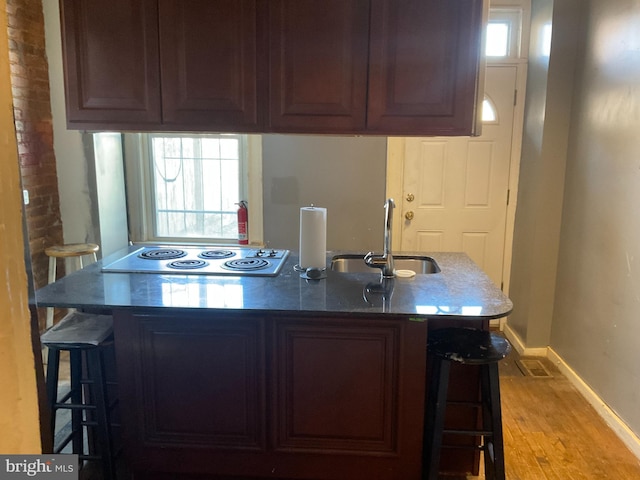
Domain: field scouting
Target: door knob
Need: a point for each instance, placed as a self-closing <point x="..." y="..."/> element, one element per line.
<point x="409" y="215"/>
<point x="410" y="197"/>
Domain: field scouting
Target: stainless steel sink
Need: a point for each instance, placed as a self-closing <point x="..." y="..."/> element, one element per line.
<point x="354" y="263"/>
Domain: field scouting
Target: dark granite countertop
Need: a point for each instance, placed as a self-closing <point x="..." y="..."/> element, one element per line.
<point x="461" y="289"/>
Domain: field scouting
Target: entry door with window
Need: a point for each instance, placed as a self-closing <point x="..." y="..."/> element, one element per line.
<point x="455" y="188"/>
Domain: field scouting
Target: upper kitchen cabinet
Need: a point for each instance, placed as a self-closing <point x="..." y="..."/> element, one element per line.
<point x="208" y="64"/>
<point x="161" y="64"/>
<point x="382" y="67"/>
<point x="111" y="63"/>
<point x="424" y="66"/>
<point x="318" y="65"/>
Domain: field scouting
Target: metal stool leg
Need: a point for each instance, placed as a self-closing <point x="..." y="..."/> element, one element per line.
<point x="497" y="444"/>
<point x="434" y="418"/>
<point x="53" y="371"/>
<point x="99" y="394"/>
<point x="51" y="279"/>
<point x="75" y="365"/>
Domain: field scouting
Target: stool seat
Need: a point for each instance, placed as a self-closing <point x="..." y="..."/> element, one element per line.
<point x="71" y="250"/>
<point x="79" y="329"/>
<point x="87" y="339"/>
<point x="483" y="350"/>
<point x="468" y="345"/>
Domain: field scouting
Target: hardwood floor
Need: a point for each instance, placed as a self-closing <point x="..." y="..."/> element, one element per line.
<point x="552" y="433"/>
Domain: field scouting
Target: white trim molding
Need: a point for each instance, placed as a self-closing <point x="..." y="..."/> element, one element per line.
<point x="628" y="437"/>
<point x="519" y="345"/>
<point x="619" y="427"/>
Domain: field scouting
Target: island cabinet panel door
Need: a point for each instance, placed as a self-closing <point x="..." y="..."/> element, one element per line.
<point x="189" y="385"/>
<point x="424" y="66"/>
<point x="111" y="63"/>
<point x="208" y="61"/>
<point x="341" y="398"/>
<point x="338" y="388"/>
<point x="318" y="65"/>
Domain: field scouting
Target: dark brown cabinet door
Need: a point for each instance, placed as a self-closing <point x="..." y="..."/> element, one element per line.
<point x="424" y="65"/>
<point x="190" y="384"/>
<point x="208" y="64"/>
<point x="318" y="65"/>
<point x="348" y="397"/>
<point x="291" y="396"/>
<point x="338" y="389"/>
<point x="111" y="63"/>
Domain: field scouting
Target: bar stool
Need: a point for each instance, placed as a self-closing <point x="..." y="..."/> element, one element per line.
<point x="86" y="337"/>
<point x="465" y="346"/>
<point x="71" y="250"/>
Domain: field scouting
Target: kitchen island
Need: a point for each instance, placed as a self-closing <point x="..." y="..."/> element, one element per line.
<point x="225" y="376"/>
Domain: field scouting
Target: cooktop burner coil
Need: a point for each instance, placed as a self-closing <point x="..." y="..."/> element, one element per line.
<point x="216" y="254"/>
<point x="163" y="254"/>
<point x="206" y="260"/>
<point x="187" y="264"/>
<point x="244" y="264"/>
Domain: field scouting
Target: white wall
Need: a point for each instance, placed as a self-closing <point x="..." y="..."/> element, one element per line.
<point x="596" y="324"/>
<point x="542" y="170"/>
<point x="344" y="174"/>
<point x="75" y="198"/>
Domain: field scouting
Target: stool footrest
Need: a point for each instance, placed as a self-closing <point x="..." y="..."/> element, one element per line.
<point x="484" y="433"/>
<point x="73" y="406"/>
<point x="464" y="447"/>
<point x="463" y="403"/>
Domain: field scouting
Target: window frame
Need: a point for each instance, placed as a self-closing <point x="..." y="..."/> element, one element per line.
<point x="513" y="17"/>
<point x="140" y="189"/>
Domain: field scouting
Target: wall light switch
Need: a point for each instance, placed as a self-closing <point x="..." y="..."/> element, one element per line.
<point x="25" y="196"/>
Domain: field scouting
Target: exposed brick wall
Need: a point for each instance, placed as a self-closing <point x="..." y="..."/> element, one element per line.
<point x="34" y="131"/>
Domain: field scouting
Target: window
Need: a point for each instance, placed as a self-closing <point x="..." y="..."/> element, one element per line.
<point x="497" y="39"/>
<point x="503" y="34"/>
<point x="195" y="185"/>
<point x="489" y="113"/>
<point x="186" y="187"/>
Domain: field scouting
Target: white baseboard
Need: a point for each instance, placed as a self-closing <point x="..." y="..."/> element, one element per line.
<point x="628" y="437"/>
<point x="516" y="342"/>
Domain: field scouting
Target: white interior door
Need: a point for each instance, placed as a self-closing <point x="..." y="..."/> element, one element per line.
<point x="455" y="188"/>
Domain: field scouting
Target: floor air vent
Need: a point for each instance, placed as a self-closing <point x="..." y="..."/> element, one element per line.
<point x="533" y="368"/>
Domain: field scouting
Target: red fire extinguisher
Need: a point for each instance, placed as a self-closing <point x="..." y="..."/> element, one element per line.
<point x="243" y="223"/>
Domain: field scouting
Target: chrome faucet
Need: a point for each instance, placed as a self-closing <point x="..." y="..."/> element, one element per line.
<point x="385" y="261"/>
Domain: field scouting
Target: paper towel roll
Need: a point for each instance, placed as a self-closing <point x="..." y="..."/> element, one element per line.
<point x="313" y="237"/>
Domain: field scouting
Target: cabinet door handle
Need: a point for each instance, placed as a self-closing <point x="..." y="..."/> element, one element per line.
<point x="409" y="215"/>
<point x="410" y="197"/>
